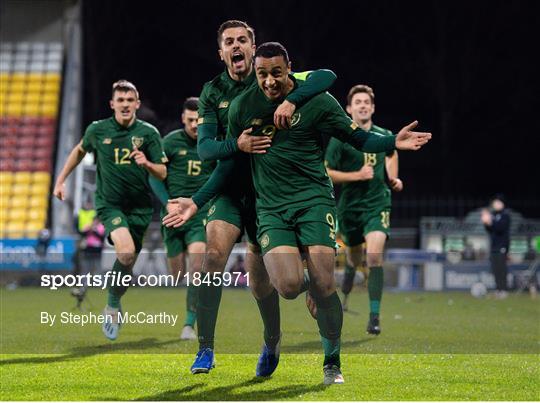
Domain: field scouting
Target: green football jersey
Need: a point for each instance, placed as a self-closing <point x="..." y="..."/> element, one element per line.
<point x="216" y="97"/>
<point x="121" y="183"/>
<point x="186" y="173"/>
<point x="361" y="195"/>
<point x="291" y="173"/>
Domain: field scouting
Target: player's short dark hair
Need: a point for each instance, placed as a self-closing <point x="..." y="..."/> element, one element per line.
<point x="124" y="86"/>
<point x="359" y="89"/>
<point x="235" y="24"/>
<point x="191" y="104"/>
<point x="272" y="49"/>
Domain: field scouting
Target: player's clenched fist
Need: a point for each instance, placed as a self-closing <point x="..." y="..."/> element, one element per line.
<point x="283" y="115"/>
<point x="139" y="157"/>
<point x="364" y="174"/>
<point x="60" y="191"/>
<point x="396" y="184"/>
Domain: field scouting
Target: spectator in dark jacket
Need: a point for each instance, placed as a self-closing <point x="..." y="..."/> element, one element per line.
<point x="497" y="223"/>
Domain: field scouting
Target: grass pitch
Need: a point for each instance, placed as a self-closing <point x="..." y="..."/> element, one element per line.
<point x="434" y="346"/>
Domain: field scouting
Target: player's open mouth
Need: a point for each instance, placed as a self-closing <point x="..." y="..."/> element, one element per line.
<point x="237" y="59"/>
<point x="272" y="92"/>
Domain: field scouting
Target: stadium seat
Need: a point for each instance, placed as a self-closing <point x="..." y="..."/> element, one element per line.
<point x="33" y="227"/>
<point x="17" y="86"/>
<point x="15" y="97"/>
<point x="35" y="87"/>
<point x="41" y="165"/>
<point x="23" y="177"/>
<point x="15" y="229"/>
<point x="35" y="78"/>
<point x="38" y="202"/>
<point x="52" y="77"/>
<point x="5" y="200"/>
<point x="28" y="136"/>
<point x="6" y="178"/>
<point x="50" y="98"/>
<point x="36" y="215"/>
<point x="6" y="154"/>
<point x="49" y="109"/>
<point x="46" y="131"/>
<point x="8" y="165"/>
<point x="42" y="177"/>
<point x="20" y="189"/>
<point x="18" y="77"/>
<point x="14" y="109"/>
<point x="17" y="214"/>
<point x="44" y="141"/>
<point x="33" y="109"/>
<point x="4" y="211"/>
<point x="19" y="202"/>
<point x="30" y="121"/>
<point x="51" y="87"/>
<point x="24" y="153"/>
<point x="10" y="141"/>
<point x="24" y="165"/>
<point x="5" y="66"/>
<point x="32" y="97"/>
<point x="37" y="66"/>
<point x="41" y="153"/>
<point x="39" y="189"/>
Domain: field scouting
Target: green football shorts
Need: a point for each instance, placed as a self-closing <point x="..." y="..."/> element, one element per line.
<point x="114" y="218"/>
<point x="237" y="211"/>
<point x="353" y="227"/>
<point x="177" y="239"/>
<point x="305" y="226"/>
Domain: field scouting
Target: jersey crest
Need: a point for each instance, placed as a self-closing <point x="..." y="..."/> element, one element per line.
<point x="137" y="141"/>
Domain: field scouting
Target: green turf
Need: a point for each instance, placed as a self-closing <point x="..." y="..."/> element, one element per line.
<point x="478" y="349"/>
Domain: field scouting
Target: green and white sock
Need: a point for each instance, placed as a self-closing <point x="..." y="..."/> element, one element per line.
<point x="116" y="291"/>
<point x="330" y="322"/>
<point x="269" y="309"/>
<point x="207" y="311"/>
<point x="375" y="289"/>
<point x="192" y="297"/>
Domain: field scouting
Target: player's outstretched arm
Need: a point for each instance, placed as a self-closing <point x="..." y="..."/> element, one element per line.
<point x="407" y="139"/>
<point x="159" y="189"/>
<point x="179" y="210"/>
<point x="316" y="81"/>
<point x="75" y="157"/>
<point x="182" y="209"/>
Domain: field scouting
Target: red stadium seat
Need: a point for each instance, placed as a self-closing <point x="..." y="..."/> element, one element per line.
<point x="25" y="153"/>
<point x="13" y="120"/>
<point x="28" y="130"/>
<point x="8" y="142"/>
<point x="24" y="165"/>
<point x="42" y="153"/>
<point x="7" y="153"/>
<point x="30" y="120"/>
<point x="43" y="165"/>
<point x="47" y="121"/>
<point x="48" y="131"/>
<point x="27" y="141"/>
<point x="7" y="164"/>
<point x="44" y="141"/>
